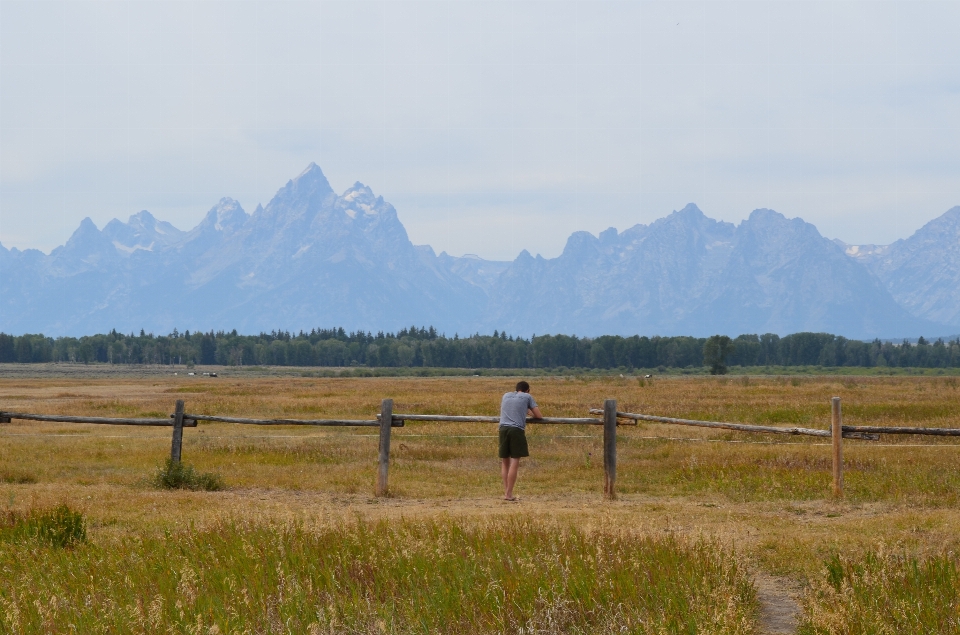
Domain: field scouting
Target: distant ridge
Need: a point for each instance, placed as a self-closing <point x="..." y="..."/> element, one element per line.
<point x="921" y="272"/>
<point x="312" y="257"/>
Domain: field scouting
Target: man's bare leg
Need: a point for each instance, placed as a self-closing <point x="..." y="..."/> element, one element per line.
<point x="508" y="471"/>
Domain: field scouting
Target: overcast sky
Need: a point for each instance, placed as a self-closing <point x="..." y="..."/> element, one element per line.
<point x="492" y="126"/>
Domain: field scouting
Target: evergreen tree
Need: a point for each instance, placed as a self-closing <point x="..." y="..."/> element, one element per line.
<point x="715" y="352"/>
<point x="208" y="349"/>
<point x="7" y="351"/>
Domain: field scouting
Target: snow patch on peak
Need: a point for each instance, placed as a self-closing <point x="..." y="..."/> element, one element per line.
<point x="141" y="232"/>
<point x="360" y="200"/>
<point x="127" y="249"/>
<point x="143" y="218"/>
<point x="357" y="191"/>
<point x="862" y="252"/>
<point x="226" y="215"/>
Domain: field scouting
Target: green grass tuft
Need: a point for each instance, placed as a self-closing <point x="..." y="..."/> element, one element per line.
<point x="179" y="475"/>
<point x="16" y="477"/>
<point x="59" y="527"/>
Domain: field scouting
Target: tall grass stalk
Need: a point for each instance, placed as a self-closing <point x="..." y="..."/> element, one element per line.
<point x="884" y="593"/>
<point x="508" y="576"/>
<point x="59" y="527"/>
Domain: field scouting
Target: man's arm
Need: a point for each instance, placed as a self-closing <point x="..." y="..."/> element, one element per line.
<point x="536" y="412"/>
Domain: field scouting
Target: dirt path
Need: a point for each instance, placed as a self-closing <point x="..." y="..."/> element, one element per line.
<point x="778" y="605"/>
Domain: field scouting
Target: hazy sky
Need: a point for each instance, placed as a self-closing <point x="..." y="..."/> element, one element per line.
<point x="492" y="126"/>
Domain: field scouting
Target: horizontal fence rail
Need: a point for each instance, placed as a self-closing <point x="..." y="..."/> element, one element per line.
<point x="114" y="421"/>
<point x="868" y="433"/>
<point x="741" y="427"/>
<point x="288" y="422"/>
<point x="485" y="419"/>
<point x="941" y="432"/>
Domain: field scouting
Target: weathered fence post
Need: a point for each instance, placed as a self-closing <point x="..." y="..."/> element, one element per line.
<point x="837" y="433"/>
<point x="177" y="444"/>
<point x="386" y="422"/>
<point x="610" y="449"/>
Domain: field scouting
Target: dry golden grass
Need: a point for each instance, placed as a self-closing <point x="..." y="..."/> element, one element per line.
<point x="765" y="496"/>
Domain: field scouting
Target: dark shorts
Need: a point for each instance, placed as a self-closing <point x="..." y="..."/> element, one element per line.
<point x="513" y="443"/>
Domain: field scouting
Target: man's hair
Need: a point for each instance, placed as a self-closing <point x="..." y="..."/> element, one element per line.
<point x="523" y="386"/>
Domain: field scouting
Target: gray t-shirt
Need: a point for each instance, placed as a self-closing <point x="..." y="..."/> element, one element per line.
<point x="513" y="409"/>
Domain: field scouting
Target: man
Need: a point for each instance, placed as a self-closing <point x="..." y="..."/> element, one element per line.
<point x="513" y="439"/>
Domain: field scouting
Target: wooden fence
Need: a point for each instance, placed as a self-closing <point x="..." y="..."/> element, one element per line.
<point x="385" y="422"/>
<point x="610" y="419"/>
<point x="837" y="432"/>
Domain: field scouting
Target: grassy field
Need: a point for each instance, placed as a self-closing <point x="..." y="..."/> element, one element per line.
<point x="699" y="512"/>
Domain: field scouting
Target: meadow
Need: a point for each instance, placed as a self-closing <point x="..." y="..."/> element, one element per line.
<point x="708" y="525"/>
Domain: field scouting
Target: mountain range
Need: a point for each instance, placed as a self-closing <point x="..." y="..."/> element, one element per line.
<point x="313" y="258"/>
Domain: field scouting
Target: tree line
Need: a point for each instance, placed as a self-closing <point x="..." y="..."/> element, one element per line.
<point x="425" y="347"/>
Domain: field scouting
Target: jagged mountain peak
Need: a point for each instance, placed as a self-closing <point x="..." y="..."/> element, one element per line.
<point x="360" y="197"/>
<point x="85" y="248"/>
<point x="608" y="236"/>
<point x="221" y="222"/>
<point x="689" y="227"/>
<point x="764" y="219"/>
<point x="689" y="217"/>
<point x="579" y="245"/>
<point x="87" y="226"/>
<point x="142" y="219"/>
<point x="768" y="220"/>
<point x="356" y="190"/>
<point x="310" y="182"/>
<point x="295" y="204"/>
<point x="583" y="244"/>
<point x="141" y="232"/>
<point x="84" y="235"/>
<point x="311" y="169"/>
<point x="227" y="215"/>
<point x="361" y="208"/>
<point x="765" y="213"/>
